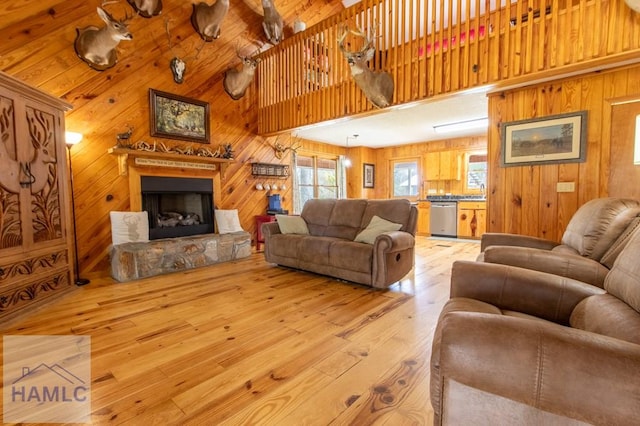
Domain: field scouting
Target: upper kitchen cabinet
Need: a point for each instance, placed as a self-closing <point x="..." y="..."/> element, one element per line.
<point x="442" y="165"/>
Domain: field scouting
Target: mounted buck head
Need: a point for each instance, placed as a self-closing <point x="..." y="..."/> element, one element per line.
<point x="146" y="8"/>
<point x="97" y="46"/>
<point x="272" y="23"/>
<point x="236" y="81"/>
<point x="207" y="20"/>
<point x="377" y="86"/>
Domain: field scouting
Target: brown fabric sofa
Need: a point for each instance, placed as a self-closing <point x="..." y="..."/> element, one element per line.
<point x="594" y="237"/>
<point x="329" y="248"/>
<point x="516" y="346"/>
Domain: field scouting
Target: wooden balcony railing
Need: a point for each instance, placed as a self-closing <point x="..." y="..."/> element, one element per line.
<point x="437" y="47"/>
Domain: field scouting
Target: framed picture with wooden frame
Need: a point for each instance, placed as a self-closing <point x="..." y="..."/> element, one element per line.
<point x="368" y="175"/>
<point x="553" y="139"/>
<point x="178" y="117"/>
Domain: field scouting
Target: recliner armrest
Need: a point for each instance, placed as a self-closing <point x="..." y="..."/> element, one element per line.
<point x="394" y="241"/>
<point x="544" y="365"/>
<point x="498" y="239"/>
<point x="567" y="265"/>
<point x="540" y="294"/>
<point x="270" y="228"/>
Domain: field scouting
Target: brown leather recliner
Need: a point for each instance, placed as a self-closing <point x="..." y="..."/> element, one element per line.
<point x="594" y="237"/>
<point x="516" y="346"/>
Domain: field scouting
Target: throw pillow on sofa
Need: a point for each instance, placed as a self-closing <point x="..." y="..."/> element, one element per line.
<point x="227" y="221"/>
<point x="292" y="224"/>
<point x="376" y="227"/>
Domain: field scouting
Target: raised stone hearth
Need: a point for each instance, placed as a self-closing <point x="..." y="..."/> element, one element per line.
<point x="131" y="261"/>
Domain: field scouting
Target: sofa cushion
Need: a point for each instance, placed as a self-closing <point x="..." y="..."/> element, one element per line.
<point x="314" y="249"/>
<point x="597" y="225"/>
<point x="292" y="224"/>
<point x="285" y="245"/>
<point x="351" y="256"/>
<point x="608" y="315"/>
<point x="398" y="212"/>
<point x="623" y="281"/>
<point x="376" y="227"/>
<point x="334" y="218"/>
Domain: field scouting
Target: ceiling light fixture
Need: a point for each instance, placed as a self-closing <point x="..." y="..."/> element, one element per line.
<point x="347" y="161"/>
<point x="478" y="123"/>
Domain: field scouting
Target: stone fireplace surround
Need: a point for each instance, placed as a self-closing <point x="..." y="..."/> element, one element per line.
<point x="137" y="260"/>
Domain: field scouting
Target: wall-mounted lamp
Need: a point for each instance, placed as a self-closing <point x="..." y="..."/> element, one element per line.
<point x="71" y="139"/>
<point x="476" y="124"/>
<point x="347" y="161"/>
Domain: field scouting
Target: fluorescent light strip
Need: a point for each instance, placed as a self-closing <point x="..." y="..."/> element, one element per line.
<point x="462" y="125"/>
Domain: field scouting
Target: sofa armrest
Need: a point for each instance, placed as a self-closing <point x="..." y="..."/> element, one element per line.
<point x="569" y="372"/>
<point x="394" y="241"/>
<point x="540" y="294"/>
<point x="498" y="239"/>
<point x="567" y="265"/>
<point x="270" y="228"/>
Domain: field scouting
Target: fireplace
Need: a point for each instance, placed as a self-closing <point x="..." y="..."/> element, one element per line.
<point x="177" y="207"/>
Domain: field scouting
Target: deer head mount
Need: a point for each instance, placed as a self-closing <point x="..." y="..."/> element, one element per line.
<point x="178" y="65"/>
<point x="207" y="19"/>
<point x="236" y="81"/>
<point x="97" y="46"/>
<point x="377" y="86"/>
<point x="272" y="23"/>
<point x="146" y="8"/>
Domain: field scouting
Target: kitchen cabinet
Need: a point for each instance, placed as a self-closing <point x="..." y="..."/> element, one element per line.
<point x="35" y="245"/>
<point x="442" y="165"/>
<point x="424" y="217"/>
<point x="472" y="219"/>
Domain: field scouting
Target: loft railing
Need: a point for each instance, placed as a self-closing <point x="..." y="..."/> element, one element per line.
<point x="437" y="47"/>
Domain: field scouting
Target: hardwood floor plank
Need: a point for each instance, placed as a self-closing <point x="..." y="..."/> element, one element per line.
<point x="247" y="342"/>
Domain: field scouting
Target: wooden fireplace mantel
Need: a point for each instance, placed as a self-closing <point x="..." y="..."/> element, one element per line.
<point x="167" y="159"/>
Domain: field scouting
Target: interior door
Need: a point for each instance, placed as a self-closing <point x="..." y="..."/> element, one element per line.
<point x="624" y="175"/>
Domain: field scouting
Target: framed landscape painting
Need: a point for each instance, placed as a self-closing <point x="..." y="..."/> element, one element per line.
<point x="369" y="172"/>
<point x="553" y="139"/>
<point x="178" y="117"/>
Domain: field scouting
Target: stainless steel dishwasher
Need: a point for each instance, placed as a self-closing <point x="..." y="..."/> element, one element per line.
<point x="444" y="218"/>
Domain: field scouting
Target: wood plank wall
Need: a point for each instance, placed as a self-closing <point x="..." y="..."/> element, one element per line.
<point x="432" y="52"/>
<point x="523" y="199"/>
<point x="37" y="47"/>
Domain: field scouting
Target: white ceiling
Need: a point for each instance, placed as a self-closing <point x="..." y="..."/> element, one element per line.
<point x="403" y="124"/>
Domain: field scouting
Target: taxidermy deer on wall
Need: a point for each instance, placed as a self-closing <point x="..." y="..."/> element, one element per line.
<point x="207" y="19"/>
<point x="236" y="81"/>
<point x="97" y="46"/>
<point x="272" y="23"/>
<point x="377" y="86"/>
<point x="146" y="8"/>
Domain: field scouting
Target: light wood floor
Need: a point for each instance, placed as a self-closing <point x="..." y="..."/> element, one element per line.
<point x="247" y="342"/>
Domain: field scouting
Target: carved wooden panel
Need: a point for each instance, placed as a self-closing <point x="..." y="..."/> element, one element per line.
<point x="43" y="176"/>
<point x="10" y="225"/>
<point x="18" y="296"/>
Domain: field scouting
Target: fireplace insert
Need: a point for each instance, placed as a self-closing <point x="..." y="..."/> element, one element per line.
<point x="177" y="207"/>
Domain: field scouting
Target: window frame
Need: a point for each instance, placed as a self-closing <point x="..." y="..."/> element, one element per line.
<point x="316" y="159"/>
<point x="392" y="165"/>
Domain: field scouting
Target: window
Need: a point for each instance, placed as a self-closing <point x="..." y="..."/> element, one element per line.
<point x="477" y="172"/>
<point x="316" y="177"/>
<point x="405" y="178"/>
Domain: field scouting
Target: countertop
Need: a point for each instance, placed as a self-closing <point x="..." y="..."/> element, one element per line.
<point x="453" y="198"/>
